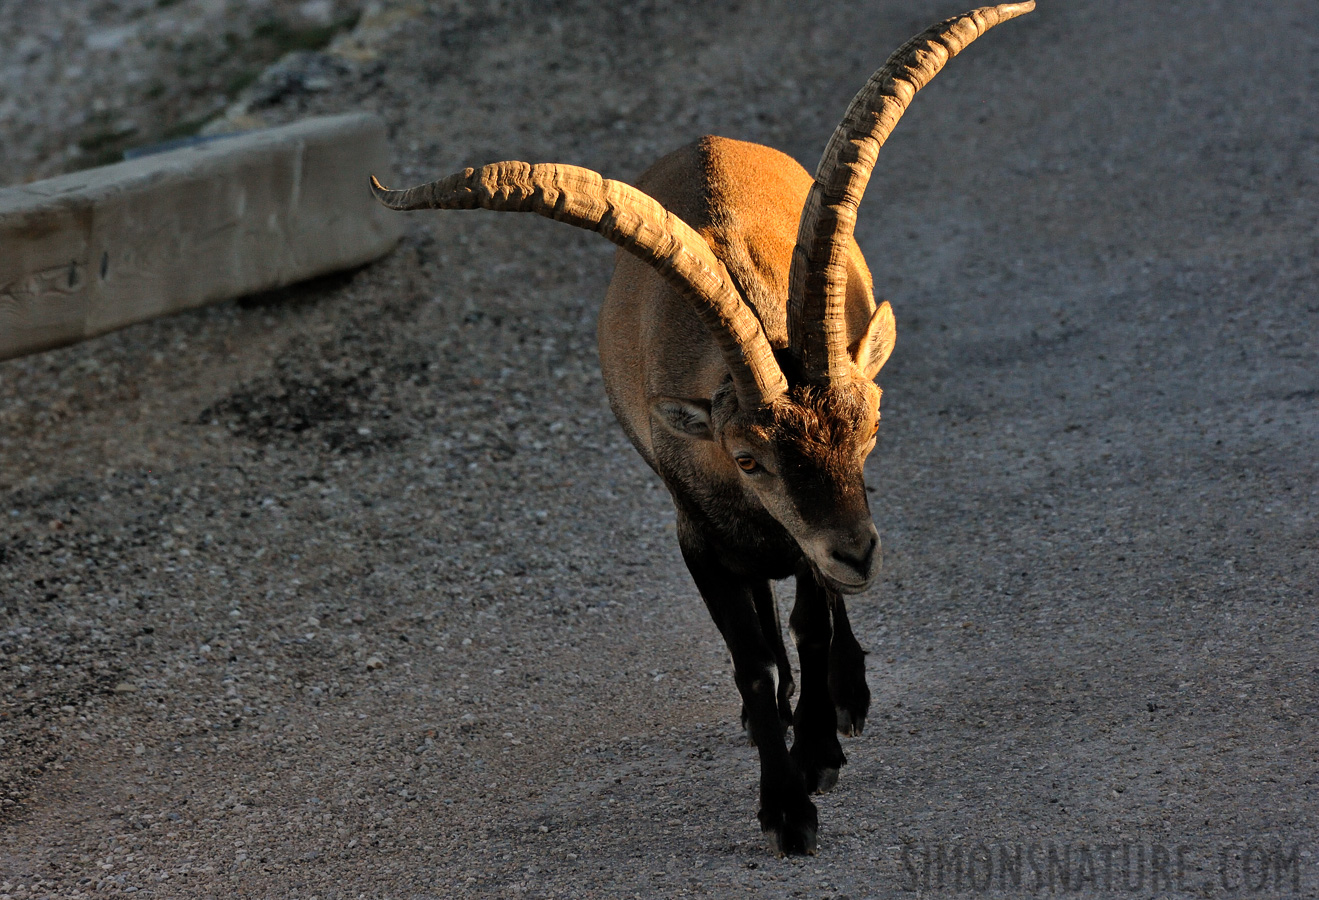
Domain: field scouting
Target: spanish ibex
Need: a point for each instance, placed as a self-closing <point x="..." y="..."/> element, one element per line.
<point x="739" y="341"/>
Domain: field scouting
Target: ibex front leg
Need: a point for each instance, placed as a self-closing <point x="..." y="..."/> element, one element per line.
<point x="768" y="611"/>
<point x="815" y="746"/>
<point x="847" y="674"/>
<point x="787" y="815"/>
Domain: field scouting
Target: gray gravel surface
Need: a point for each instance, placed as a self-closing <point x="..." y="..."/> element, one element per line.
<point x="358" y="590"/>
<point x="83" y="80"/>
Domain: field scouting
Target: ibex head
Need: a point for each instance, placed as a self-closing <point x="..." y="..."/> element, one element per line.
<point x="800" y="453"/>
<point x="793" y="424"/>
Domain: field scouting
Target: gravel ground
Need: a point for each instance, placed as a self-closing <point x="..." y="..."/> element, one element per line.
<point x="83" y="80"/>
<point x="358" y="590"/>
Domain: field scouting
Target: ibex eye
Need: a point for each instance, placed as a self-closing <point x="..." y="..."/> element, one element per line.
<point x="747" y="464"/>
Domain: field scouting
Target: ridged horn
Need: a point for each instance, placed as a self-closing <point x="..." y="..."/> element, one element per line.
<point x="817" y="328"/>
<point x="634" y="221"/>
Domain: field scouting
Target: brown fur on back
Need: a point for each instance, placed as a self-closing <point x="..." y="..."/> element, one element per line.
<point x="745" y="200"/>
<point x="752" y="197"/>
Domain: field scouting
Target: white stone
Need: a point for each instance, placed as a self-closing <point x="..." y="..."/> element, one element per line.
<point x="89" y="252"/>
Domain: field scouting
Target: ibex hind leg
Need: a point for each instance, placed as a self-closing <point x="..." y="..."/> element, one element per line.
<point x="815" y="746"/>
<point x="787" y="815"/>
<point x="847" y="674"/>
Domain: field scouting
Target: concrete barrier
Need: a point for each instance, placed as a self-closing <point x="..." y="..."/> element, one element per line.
<point x="89" y="252"/>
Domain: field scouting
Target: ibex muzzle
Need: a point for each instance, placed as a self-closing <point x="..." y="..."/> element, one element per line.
<point x="739" y="342"/>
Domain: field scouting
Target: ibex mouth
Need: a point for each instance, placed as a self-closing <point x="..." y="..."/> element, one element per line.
<point x="844" y="587"/>
<point x="845" y="578"/>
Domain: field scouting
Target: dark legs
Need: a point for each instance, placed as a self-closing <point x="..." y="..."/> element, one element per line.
<point x="833" y="681"/>
<point x="787" y="815"/>
<point x="847" y="674"/>
<point x="767" y="611"/>
<point x="834" y="696"/>
<point x="815" y="748"/>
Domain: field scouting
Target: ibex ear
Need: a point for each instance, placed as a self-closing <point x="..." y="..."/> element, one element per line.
<point x="685" y="418"/>
<point x="872" y="349"/>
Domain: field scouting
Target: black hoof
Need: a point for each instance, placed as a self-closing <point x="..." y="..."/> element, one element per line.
<point x="850" y="722"/>
<point x="791" y="833"/>
<point x="851" y="695"/>
<point x="818" y="757"/>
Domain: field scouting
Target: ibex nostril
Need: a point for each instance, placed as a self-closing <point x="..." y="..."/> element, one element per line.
<point x="858" y="558"/>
